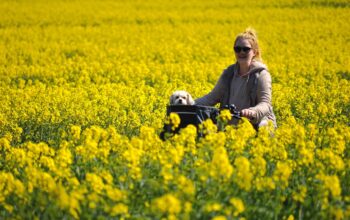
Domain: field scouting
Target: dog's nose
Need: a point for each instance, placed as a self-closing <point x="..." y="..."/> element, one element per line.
<point x="180" y="101"/>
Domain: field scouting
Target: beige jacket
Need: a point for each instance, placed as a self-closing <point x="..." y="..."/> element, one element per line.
<point x="239" y="93"/>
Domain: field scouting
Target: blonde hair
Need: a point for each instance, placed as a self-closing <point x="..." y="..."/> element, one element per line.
<point x="250" y="35"/>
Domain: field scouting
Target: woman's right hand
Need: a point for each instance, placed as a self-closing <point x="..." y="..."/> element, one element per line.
<point x="248" y="113"/>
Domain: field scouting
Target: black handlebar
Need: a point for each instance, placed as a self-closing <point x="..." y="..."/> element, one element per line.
<point x="233" y="109"/>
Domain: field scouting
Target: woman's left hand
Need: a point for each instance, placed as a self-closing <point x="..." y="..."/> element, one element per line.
<point x="248" y="113"/>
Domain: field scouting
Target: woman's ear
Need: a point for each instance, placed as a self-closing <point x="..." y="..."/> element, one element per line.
<point x="254" y="53"/>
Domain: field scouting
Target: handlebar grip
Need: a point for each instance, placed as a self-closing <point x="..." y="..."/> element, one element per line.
<point x="233" y="109"/>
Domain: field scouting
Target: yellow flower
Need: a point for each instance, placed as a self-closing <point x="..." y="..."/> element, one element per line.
<point x="208" y="127"/>
<point x="337" y="213"/>
<point x="187" y="207"/>
<point x="330" y="184"/>
<point x="173" y="120"/>
<point x="115" y="194"/>
<point x="244" y="176"/>
<point x="167" y="173"/>
<point x="63" y="199"/>
<point x="307" y="156"/>
<point x="8" y="207"/>
<point x="212" y="207"/>
<point x="223" y="119"/>
<point x="185" y="185"/>
<point x="290" y="217"/>
<point x="264" y="184"/>
<point x="258" y="166"/>
<point x="167" y="204"/>
<point x="8" y="185"/>
<point x="322" y="109"/>
<point x="221" y="167"/>
<point x="119" y="209"/>
<point x="225" y="115"/>
<point x="330" y="159"/>
<point x="219" y="217"/>
<point x="176" y="154"/>
<point x="282" y="174"/>
<point x="48" y="162"/>
<point x="75" y="131"/>
<point x="133" y="156"/>
<point x="4" y="144"/>
<point x="106" y="176"/>
<point x="238" y="205"/>
<point x="300" y="194"/>
<point x="347" y="212"/>
<point x="93" y="198"/>
<point x="95" y="182"/>
<point x="40" y="180"/>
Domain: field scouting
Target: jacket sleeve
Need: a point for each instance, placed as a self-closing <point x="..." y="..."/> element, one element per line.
<point x="215" y="95"/>
<point x="263" y="94"/>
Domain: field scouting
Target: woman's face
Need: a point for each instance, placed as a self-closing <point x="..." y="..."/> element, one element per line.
<point x="244" y="51"/>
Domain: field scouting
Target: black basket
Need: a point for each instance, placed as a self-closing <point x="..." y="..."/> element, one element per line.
<point x="190" y="114"/>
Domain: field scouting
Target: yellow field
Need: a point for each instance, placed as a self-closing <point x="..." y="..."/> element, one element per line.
<point x="84" y="87"/>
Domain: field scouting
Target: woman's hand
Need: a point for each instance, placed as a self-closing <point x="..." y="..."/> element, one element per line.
<point x="248" y="113"/>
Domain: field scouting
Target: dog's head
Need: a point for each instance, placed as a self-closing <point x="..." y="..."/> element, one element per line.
<point x="181" y="98"/>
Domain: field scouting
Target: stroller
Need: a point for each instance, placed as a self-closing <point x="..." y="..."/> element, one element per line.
<point x="195" y="115"/>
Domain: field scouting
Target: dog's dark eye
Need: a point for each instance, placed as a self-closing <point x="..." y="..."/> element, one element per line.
<point x="177" y="97"/>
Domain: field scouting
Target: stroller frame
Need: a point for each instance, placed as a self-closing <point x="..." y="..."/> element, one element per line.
<point x="195" y="115"/>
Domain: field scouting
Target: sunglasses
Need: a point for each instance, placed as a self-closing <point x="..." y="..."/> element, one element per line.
<point x="244" y="49"/>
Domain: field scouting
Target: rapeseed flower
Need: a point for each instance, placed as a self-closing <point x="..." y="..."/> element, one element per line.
<point x="300" y="195"/>
<point x="282" y="173"/>
<point x="220" y="165"/>
<point x="119" y="209"/>
<point x="219" y="217"/>
<point x="167" y="204"/>
<point x="174" y="120"/>
<point x="243" y="174"/>
<point x="238" y="205"/>
<point x="330" y="184"/>
<point x="213" y="207"/>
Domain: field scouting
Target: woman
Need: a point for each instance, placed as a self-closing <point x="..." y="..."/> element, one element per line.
<point x="246" y="84"/>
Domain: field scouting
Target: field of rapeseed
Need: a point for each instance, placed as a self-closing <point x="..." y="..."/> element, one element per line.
<point x="84" y="87"/>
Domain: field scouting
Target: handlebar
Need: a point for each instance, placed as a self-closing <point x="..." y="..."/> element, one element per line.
<point x="233" y="109"/>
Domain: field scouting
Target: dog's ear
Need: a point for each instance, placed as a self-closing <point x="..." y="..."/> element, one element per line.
<point x="172" y="97"/>
<point x="190" y="101"/>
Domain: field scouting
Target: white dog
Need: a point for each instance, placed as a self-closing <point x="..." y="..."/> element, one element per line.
<point x="181" y="98"/>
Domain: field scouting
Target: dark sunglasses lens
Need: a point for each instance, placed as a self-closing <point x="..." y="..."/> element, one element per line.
<point x="239" y="49"/>
<point x="246" y="49"/>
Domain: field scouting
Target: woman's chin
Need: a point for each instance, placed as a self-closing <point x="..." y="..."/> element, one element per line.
<point x="243" y="61"/>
